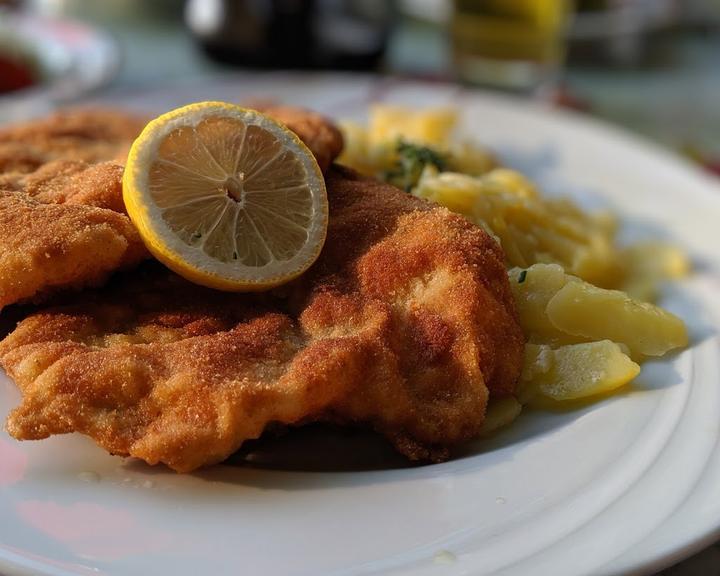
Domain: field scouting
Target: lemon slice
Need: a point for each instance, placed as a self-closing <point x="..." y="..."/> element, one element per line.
<point x="226" y="197"/>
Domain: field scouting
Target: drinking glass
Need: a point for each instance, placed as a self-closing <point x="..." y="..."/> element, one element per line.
<point x="510" y="44"/>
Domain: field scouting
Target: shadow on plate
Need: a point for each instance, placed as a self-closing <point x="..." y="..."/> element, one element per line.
<point x="327" y="448"/>
<point x="321" y="455"/>
<point x="319" y="448"/>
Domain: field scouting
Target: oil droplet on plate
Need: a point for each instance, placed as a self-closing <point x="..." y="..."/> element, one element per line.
<point x="444" y="557"/>
<point x="89" y="476"/>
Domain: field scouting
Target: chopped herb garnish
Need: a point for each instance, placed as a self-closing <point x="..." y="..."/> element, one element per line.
<point x="522" y="276"/>
<point x="412" y="159"/>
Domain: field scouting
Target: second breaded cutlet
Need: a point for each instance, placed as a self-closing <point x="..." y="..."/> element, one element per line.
<point x="62" y="218"/>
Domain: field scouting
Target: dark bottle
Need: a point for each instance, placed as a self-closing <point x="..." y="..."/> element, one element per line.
<point x="340" y="34"/>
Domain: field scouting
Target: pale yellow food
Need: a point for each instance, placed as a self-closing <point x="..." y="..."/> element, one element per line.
<point x="539" y="285"/>
<point x="558" y="308"/>
<point x="226" y="197"/>
<point x="500" y="413"/>
<point x="372" y="149"/>
<point x="565" y="261"/>
<point x="535" y="229"/>
<point x="561" y="365"/>
<point x="530" y="227"/>
<point x="585" y="311"/>
<point x="656" y="259"/>
<point x="648" y="264"/>
<point x="579" y="334"/>
<point x="537" y="362"/>
<point x="356" y="152"/>
<point x="431" y="127"/>
<point x="578" y="371"/>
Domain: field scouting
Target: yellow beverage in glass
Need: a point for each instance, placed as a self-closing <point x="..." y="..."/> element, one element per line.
<point x="511" y="44"/>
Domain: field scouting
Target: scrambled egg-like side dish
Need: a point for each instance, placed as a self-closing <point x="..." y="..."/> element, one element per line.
<point x="584" y="301"/>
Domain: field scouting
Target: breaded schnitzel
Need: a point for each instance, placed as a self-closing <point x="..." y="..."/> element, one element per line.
<point x="49" y="246"/>
<point x="66" y="233"/>
<point x="62" y="221"/>
<point x="70" y="182"/>
<point x="97" y="135"/>
<point x="405" y="324"/>
<point x="323" y="138"/>
<point x="92" y="135"/>
<point x="62" y="217"/>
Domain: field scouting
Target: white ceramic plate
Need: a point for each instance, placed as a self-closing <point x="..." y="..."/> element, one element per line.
<point x="627" y="485"/>
<point x="73" y="58"/>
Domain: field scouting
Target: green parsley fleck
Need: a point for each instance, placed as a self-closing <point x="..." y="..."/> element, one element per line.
<point x="412" y="159"/>
<point x="522" y="276"/>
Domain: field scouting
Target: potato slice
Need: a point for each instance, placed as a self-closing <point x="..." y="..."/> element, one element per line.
<point x="593" y="313"/>
<point x="468" y="158"/>
<point x="538" y="362"/>
<point x="533" y="288"/>
<point x="587" y="369"/>
<point x="500" y="413"/>
<point x="648" y="264"/>
<point x="641" y="289"/>
<point x="532" y="229"/>
<point x="655" y="260"/>
<point x="430" y="127"/>
<point x="511" y="181"/>
<point x="356" y="152"/>
<point x="457" y="192"/>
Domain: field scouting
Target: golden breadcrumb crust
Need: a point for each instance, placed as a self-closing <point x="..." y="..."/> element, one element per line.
<point x="405" y="324"/>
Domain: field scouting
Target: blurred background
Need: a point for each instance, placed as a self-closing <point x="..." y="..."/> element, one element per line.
<point x="652" y="66"/>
